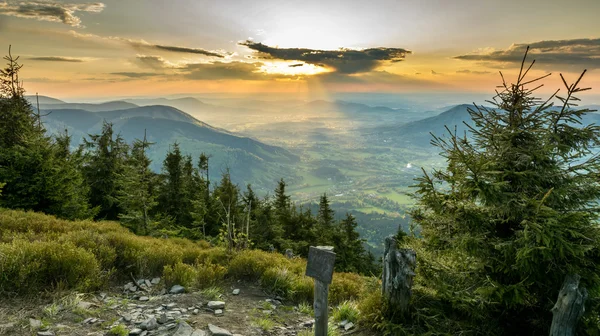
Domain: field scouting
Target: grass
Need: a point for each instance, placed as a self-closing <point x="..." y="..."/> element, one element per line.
<point x="306" y="308"/>
<point x="346" y="311"/>
<point x="264" y="323"/>
<point x="211" y="293"/>
<point x="118" y="330"/>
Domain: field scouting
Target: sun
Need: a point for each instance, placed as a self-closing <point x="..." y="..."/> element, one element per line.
<point x="289" y="68"/>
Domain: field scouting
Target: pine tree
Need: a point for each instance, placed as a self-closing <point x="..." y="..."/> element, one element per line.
<point x="106" y="157"/>
<point x="137" y="195"/>
<point x="515" y="210"/>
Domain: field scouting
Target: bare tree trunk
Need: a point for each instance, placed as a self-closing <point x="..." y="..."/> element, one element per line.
<point x="569" y="307"/>
<point x="398" y="272"/>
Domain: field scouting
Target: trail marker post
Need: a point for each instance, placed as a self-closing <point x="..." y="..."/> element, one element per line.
<point x="321" y="260"/>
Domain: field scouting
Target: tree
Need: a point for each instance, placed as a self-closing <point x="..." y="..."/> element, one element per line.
<point x="172" y="191"/>
<point x="137" y="195"/>
<point x="40" y="174"/>
<point x="515" y="210"/>
<point x="325" y="221"/>
<point x="106" y="157"/>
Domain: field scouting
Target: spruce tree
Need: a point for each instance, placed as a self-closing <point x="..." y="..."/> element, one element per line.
<point x="137" y="194"/>
<point x="325" y="221"/>
<point x="515" y="210"/>
<point x="106" y="157"/>
<point x="172" y="191"/>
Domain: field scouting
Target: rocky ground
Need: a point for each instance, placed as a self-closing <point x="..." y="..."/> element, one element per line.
<point x="147" y="308"/>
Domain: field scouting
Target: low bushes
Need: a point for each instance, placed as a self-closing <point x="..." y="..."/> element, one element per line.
<point x="39" y="252"/>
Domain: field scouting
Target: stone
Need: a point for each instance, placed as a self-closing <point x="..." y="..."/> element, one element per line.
<point x="218" y="312"/>
<point x="127" y="317"/>
<point x="343" y="323"/>
<point x="133" y="289"/>
<point x="183" y="329"/>
<point x="199" y="333"/>
<point x="216" y="331"/>
<point x="170" y="305"/>
<point x="87" y="320"/>
<point x="144" y="333"/>
<point x="309" y="323"/>
<point x="148" y="283"/>
<point x="267" y="312"/>
<point x="177" y="289"/>
<point x="236" y="292"/>
<point x="289" y="253"/>
<point x="216" y="305"/>
<point x="397" y="277"/>
<point x="348" y="326"/>
<point x="196" y="311"/>
<point x="149" y="324"/>
<point x="135" y="332"/>
<point x="155" y="281"/>
<point x="35" y="324"/>
<point x="45" y="333"/>
<point x="144" y="298"/>
<point x="84" y="305"/>
<point x="162" y="318"/>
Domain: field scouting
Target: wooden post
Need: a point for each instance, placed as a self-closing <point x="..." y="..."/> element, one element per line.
<point x="569" y="307"/>
<point x="321" y="260"/>
<point x="397" y="278"/>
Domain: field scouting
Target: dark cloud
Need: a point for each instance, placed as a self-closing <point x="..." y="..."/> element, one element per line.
<point x="576" y="52"/>
<point x="57" y="59"/>
<point x="49" y="10"/>
<point x="435" y="73"/>
<point x="187" y="50"/>
<point x="473" y="72"/>
<point x="228" y="70"/>
<point x="296" y="65"/>
<point x="347" y="61"/>
<point x="135" y="74"/>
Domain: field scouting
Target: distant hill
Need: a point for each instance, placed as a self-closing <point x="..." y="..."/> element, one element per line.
<point x="250" y="161"/>
<point x="418" y="132"/>
<point x="108" y="106"/>
<point x="43" y="100"/>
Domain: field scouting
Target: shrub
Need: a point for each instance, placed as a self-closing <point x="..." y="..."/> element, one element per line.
<point x="346" y="286"/>
<point x="209" y="274"/>
<point x="216" y="255"/>
<point x="304" y="289"/>
<point x="279" y="281"/>
<point x="180" y="274"/>
<point x="118" y="330"/>
<point x="36" y="266"/>
<point x="252" y="264"/>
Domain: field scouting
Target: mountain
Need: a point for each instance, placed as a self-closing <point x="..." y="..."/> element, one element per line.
<point x="108" y="106"/>
<point x="33" y="100"/>
<point x="250" y="161"/>
<point x="417" y="133"/>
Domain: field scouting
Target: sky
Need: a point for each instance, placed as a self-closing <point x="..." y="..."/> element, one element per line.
<point x="118" y="48"/>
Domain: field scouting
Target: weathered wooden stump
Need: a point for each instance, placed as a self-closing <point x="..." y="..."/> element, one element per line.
<point x="321" y="260"/>
<point x="569" y="307"/>
<point x="398" y="273"/>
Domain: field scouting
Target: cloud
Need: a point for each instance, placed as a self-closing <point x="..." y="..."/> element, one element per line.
<point x="473" y="72"/>
<point x="57" y="59"/>
<point x="187" y="50"/>
<point x="154" y="62"/>
<point x="49" y="10"/>
<point x="347" y="61"/>
<point x="551" y="53"/>
<point x="144" y="45"/>
<point x="135" y="74"/>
